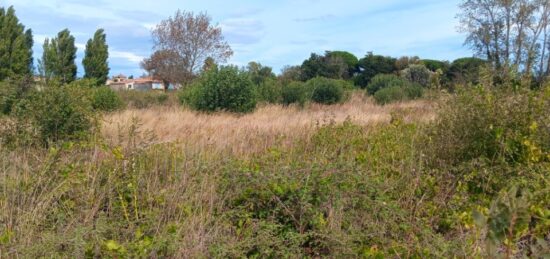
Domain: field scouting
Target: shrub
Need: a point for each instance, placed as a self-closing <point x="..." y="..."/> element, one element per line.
<point x="327" y="91"/>
<point x="492" y="124"/>
<point x="384" y="81"/>
<point x="465" y="71"/>
<point x="417" y="74"/>
<point x="269" y="91"/>
<point x="398" y="93"/>
<point x="8" y="97"/>
<point x="224" y="89"/>
<point x="57" y="114"/>
<point x="294" y="93"/>
<point x="105" y="99"/>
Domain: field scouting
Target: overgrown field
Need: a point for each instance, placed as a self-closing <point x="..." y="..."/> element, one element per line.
<point x="462" y="176"/>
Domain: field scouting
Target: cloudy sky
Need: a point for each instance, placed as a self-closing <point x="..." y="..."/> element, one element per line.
<point x="274" y="33"/>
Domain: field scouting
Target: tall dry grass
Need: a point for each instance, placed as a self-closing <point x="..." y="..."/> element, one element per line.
<point x="254" y="132"/>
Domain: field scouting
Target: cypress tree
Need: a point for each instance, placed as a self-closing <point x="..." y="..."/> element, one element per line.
<point x="95" y="61"/>
<point x="58" y="58"/>
<point x="15" y="46"/>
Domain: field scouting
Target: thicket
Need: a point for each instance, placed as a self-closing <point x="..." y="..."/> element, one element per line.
<point x="224" y="89"/>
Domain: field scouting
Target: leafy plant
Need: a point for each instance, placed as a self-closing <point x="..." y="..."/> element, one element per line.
<point x="105" y="99"/>
<point x="224" y="89"/>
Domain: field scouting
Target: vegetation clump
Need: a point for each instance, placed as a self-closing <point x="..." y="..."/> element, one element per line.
<point x="223" y="89"/>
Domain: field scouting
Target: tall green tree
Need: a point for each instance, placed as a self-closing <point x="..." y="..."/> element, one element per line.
<point x="95" y="59"/>
<point x="15" y="46"/>
<point x="58" y="58"/>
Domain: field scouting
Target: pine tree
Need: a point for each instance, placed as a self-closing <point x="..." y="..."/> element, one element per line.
<point x="95" y="61"/>
<point x="15" y="46"/>
<point x="58" y="58"/>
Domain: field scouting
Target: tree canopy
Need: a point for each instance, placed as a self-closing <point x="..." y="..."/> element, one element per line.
<point x="96" y="56"/>
<point x="58" y="59"/>
<point x="182" y="44"/>
<point x="15" y="46"/>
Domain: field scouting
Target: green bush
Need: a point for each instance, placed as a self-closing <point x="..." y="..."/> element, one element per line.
<point x="497" y="125"/>
<point x="417" y="74"/>
<point x="57" y="114"/>
<point x="398" y="93"/>
<point x="269" y="91"/>
<point x="224" y="89"/>
<point x="384" y="81"/>
<point x="295" y="93"/>
<point x="8" y="97"/>
<point x="326" y="91"/>
<point x="105" y="99"/>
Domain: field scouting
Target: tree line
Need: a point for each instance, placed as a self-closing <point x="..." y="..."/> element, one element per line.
<point x="58" y="59"/>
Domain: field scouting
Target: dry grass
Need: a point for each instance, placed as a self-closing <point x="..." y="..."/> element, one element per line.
<point x="250" y="133"/>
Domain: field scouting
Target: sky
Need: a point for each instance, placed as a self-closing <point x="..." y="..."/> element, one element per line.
<point x="274" y="33"/>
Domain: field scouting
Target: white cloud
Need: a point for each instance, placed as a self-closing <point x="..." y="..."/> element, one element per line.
<point x="129" y="56"/>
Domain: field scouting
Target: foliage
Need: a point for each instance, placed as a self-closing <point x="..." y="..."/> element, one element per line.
<point x="434" y="65"/>
<point x="55" y="114"/>
<point x="8" y="97"/>
<point x="349" y="59"/>
<point x="15" y="47"/>
<point x="182" y="45"/>
<point x="58" y="58"/>
<point x="398" y="93"/>
<point x="466" y="71"/>
<point x="495" y="125"/>
<point x="295" y="93"/>
<point x="96" y="58"/>
<point x="372" y="65"/>
<point x="258" y="73"/>
<point x="383" y="81"/>
<point x="270" y="91"/>
<point x="224" y="89"/>
<point x="105" y="99"/>
<point x="327" y="91"/>
<point x="417" y="74"/>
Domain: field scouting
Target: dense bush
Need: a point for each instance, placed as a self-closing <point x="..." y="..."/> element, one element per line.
<point x="434" y="65"/>
<point x="269" y="91"/>
<point x="465" y="71"/>
<point x="326" y="91"/>
<point x="398" y="93"/>
<point x="105" y="99"/>
<point x="56" y="114"/>
<point x="294" y="93"/>
<point x="224" y="89"/>
<point x="372" y="65"/>
<point x="8" y="97"/>
<point x="417" y="74"/>
<point x="495" y="125"/>
<point x="384" y="81"/>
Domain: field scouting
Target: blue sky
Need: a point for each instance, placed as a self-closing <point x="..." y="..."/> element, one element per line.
<point x="274" y="33"/>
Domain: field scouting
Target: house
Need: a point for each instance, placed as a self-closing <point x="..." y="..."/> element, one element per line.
<point x="121" y="82"/>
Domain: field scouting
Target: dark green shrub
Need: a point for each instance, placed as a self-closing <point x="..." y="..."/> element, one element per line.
<point x="57" y="113"/>
<point x="105" y="99"/>
<point x="327" y="92"/>
<point x="465" y="71"/>
<point x="384" y="81"/>
<point x="224" y="89"/>
<point x="270" y="91"/>
<point x="398" y="93"/>
<point x="294" y="93"/>
<point x="8" y="97"/>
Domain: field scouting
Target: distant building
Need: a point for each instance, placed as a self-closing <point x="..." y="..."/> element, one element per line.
<point x="122" y="82"/>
